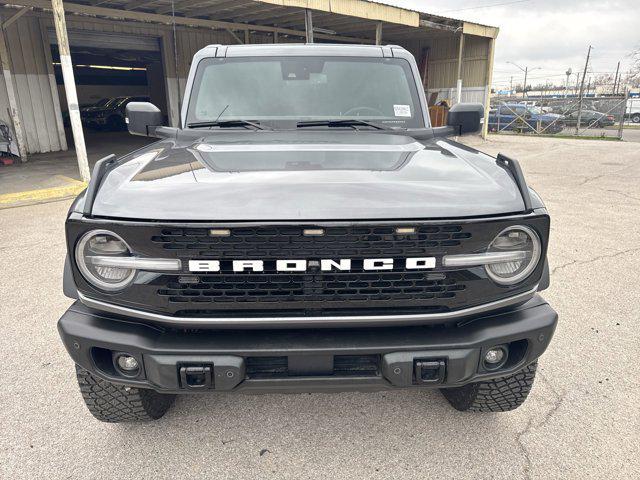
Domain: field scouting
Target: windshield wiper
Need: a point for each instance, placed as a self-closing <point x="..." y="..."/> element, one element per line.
<point x="347" y="122"/>
<point x="227" y="123"/>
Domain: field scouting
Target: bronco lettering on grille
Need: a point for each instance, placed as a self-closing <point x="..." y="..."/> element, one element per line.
<point x="324" y="265"/>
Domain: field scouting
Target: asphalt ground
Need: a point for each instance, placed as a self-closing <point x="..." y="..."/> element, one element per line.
<point x="582" y="419"/>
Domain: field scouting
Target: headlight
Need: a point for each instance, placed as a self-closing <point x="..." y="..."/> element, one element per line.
<point x="521" y="245"/>
<point x="97" y="255"/>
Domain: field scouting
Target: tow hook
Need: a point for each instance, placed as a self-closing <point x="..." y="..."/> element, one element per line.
<point x="196" y="377"/>
<point x="429" y="371"/>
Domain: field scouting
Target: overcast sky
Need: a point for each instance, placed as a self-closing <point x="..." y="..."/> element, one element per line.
<point x="551" y="34"/>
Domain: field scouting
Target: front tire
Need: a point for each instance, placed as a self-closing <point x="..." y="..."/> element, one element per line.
<point x="113" y="403"/>
<point x="635" y="118"/>
<point x="498" y="395"/>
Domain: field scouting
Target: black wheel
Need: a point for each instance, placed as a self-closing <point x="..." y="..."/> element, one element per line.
<point x="499" y="395"/>
<point x="635" y="118"/>
<point x="113" y="403"/>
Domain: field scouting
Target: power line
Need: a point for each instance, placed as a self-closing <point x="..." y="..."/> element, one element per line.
<point x="484" y="6"/>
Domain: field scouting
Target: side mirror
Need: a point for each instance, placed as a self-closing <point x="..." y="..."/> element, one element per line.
<point x="466" y="117"/>
<point x="143" y="118"/>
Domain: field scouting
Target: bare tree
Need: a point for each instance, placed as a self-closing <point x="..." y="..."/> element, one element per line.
<point x="604" y="79"/>
<point x="633" y="78"/>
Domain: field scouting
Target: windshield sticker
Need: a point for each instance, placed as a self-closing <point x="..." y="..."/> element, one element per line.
<point x="402" y="110"/>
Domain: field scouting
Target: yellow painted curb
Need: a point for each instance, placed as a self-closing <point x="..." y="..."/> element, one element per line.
<point x="43" y="194"/>
<point x="64" y="178"/>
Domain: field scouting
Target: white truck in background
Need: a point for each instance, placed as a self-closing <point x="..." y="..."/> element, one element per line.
<point x="633" y="109"/>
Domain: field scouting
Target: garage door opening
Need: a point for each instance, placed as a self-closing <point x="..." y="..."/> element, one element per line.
<point x="110" y="71"/>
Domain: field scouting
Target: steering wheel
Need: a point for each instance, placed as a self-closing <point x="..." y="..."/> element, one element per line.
<point x="356" y="111"/>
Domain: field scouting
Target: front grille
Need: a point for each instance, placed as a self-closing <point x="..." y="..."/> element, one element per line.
<point x="290" y="242"/>
<point x="313" y="290"/>
<point x="313" y="293"/>
<point x="343" y="366"/>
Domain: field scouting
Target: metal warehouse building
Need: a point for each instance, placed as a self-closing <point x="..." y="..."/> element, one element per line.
<point x="144" y="48"/>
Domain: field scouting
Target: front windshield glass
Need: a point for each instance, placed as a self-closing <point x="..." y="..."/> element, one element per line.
<point x="272" y="89"/>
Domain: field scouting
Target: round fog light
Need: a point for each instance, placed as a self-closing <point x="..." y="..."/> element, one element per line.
<point x="494" y="356"/>
<point x="128" y="363"/>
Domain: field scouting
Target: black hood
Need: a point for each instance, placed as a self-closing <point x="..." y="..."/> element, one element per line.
<point x="310" y="175"/>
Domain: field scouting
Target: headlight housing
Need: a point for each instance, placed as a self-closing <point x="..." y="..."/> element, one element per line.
<point x="93" y="252"/>
<point x="519" y="240"/>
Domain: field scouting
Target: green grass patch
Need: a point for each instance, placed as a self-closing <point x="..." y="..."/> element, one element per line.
<point x="549" y="135"/>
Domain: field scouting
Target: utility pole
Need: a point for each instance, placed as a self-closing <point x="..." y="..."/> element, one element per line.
<point x="526" y="71"/>
<point x="584" y="74"/>
<point x="511" y="85"/>
<point x="615" y="80"/>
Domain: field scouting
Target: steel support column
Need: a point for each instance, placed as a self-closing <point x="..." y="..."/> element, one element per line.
<point x="459" y="76"/>
<point x="13" y="101"/>
<point x="70" y="88"/>
<point x="308" y="25"/>
<point x="487" y="93"/>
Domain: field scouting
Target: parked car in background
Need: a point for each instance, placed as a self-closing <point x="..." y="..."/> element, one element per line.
<point x="522" y="118"/>
<point x="83" y="108"/>
<point x="108" y="114"/>
<point x="589" y="119"/>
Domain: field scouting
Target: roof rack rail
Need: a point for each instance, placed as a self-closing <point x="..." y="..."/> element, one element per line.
<point x="514" y="168"/>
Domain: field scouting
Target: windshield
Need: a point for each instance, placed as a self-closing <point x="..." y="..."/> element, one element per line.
<point x="272" y="89"/>
<point x="109" y="102"/>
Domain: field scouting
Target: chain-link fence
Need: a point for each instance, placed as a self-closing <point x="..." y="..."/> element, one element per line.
<point x="591" y="117"/>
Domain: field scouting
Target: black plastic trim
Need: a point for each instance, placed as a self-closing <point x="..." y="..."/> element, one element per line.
<point x="100" y="169"/>
<point x="68" y="285"/>
<point x="513" y="166"/>
<point x="545" y="280"/>
<point x="164" y="352"/>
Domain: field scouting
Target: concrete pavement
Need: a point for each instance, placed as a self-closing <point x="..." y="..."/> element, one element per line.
<point x="51" y="176"/>
<point x="582" y="419"/>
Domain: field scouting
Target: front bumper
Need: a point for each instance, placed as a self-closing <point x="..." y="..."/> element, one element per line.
<point x="363" y="359"/>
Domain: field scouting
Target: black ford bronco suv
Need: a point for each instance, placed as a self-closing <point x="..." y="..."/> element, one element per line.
<point x="305" y="230"/>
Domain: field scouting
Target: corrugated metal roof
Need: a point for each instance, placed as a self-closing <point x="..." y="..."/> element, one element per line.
<point x="431" y="15"/>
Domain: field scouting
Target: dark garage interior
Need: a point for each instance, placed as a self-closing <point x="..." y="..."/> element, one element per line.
<point x="108" y="75"/>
